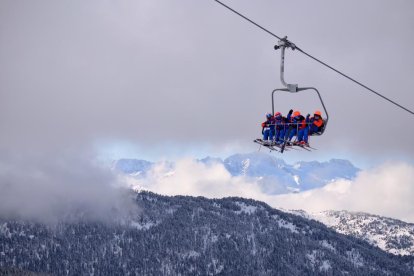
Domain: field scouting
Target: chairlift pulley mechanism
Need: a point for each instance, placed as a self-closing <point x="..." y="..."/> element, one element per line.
<point x="284" y="42"/>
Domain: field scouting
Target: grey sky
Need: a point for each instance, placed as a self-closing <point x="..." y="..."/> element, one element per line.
<point x="172" y="74"/>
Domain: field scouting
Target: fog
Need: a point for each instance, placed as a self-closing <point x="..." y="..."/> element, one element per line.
<point x="65" y="188"/>
<point x="385" y="190"/>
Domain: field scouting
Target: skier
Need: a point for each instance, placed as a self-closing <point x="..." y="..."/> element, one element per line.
<point x="288" y="126"/>
<point x="315" y="125"/>
<point x="268" y="128"/>
<point x="298" y="127"/>
<point x="280" y="127"/>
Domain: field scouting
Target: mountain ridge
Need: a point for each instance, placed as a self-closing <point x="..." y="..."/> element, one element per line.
<point x="194" y="236"/>
<point x="392" y="235"/>
<point x="273" y="174"/>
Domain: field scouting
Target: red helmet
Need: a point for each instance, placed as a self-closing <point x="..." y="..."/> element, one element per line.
<point x="317" y="112"/>
<point x="277" y="114"/>
<point x="296" y="113"/>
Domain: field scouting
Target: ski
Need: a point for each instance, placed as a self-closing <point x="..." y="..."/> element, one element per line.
<point x="303" y="147"/>
<point x="270" y="145"/>
<point x="287" y="145"/>
<point x="311" y="147"/>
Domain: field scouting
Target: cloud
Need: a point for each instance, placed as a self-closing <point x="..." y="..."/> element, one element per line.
<point x="65" y="186"/>
<point x="189" y="177"/>
<point x="385" y="190"/>
<point x="62" y="187"/>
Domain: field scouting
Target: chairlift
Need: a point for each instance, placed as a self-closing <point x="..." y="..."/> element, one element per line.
<point x="290" y="88"/>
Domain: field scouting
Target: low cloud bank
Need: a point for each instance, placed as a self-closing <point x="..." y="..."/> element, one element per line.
<point x="189" y="177"/>
<point x="387" y="190"/>
<point x="51" y="188"/>
<point x="60" y="187"/>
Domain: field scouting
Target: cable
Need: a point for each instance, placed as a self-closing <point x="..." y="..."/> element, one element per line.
<point x="357" y="82"/>
<point x="314" y="58"/>
<point x="251" y="21"/>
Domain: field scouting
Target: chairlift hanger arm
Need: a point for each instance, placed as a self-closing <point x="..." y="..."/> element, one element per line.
<point x="285" y="43"/>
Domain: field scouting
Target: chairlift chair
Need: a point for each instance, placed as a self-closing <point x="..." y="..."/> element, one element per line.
<point x="293" y="88"/>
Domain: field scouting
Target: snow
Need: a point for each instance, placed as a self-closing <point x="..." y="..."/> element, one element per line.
<point x="191" y="254"/>
<point x="293" y="189"/>
<point x="286" y="224"/>
<point x="325" y="218"/>
<point x="4" y="230"/>
<point x="138" y="173"/>
<point x="217" y="268"/>
<point x="312" y="257"/>
<point x="216" y="205"/>
<point x="142" y="226"/>
<point x="390" y="235"/>
<point x="327" y="245"/>
<point x="247" y="209"/>
<point x="300" y="213"/>
<point x="325" y="266"/>
<point x="355" y="257"/>
<point x="170" y="211"/>
<point x="169" y="174"/>
<point x="246" y="165"/>
<point x="297" y="179"/>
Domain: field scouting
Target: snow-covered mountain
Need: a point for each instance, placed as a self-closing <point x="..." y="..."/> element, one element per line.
<point x="133" y="166"/>
<point x="274" y="175"/>
<point x="184" y="235"/>
<point x="391" y="235"/>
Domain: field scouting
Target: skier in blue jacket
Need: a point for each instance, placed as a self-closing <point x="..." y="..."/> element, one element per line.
<point x="268" y="128"/>
<point x="280" y="127"/>
<point x="299" y="126"/>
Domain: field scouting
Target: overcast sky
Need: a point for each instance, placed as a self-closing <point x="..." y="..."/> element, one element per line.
<point x="159" y="79"/>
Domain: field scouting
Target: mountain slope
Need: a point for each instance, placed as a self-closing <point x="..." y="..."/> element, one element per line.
<point x="391" y="235"/>
<point x="193" y="236"/>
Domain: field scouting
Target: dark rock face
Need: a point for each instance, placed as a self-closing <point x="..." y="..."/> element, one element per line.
<point x="194" y="236"/>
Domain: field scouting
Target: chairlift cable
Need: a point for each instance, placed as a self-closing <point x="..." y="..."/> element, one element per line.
<point x="316" y="59"/>
<point x="246" y="18"/>
<point x="357" y="82"/>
